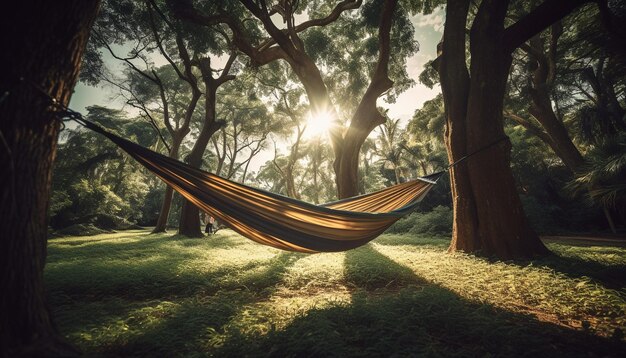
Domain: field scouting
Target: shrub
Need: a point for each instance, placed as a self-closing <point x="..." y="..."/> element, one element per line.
<point x="435" y="222"/>
<point x="81" y="230"/>
<point x="106" y="222"/>
<point x="542" y="217"/>
<point x="403" y="225"/>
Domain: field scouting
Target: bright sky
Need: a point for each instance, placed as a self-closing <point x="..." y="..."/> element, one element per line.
<point x="428" y="31"/>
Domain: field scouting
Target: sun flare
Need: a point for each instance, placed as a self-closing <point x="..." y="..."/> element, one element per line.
<point x="318" y="124"/>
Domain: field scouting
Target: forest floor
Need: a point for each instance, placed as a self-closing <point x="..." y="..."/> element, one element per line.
<point x="138" y="294"/>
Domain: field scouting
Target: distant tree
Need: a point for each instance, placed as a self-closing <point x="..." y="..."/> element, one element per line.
<point x="564" y="75"/>
<point x="170" y="91"/>
<point x="93" y="176"/>
<point x="42" y="42"/>
<point x="246" y="129"/>
<point x="191" y="53"/>
<point x="391" y="143"/>
<point x="425" y="146"/>
<point x="371" y="178"/>
<point x="289" y="110"/>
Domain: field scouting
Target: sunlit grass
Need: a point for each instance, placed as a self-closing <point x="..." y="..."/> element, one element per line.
<point x="534" y="287"/>
<point x="134" y="293"/>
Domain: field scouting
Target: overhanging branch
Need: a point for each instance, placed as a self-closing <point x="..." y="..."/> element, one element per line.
<point x="544" y="15"/>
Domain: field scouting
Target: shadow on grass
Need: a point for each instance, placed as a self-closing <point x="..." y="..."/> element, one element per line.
<point x="392" y="311"/>
<point x="367" y="269"/>
<point x="191" y="326"/>
<point x="193" y="310"/>
<point x="417" y="321"/>
<point x="610" y="275"/>
<point x="96" y="248"/>
<point x="160" y="277"/>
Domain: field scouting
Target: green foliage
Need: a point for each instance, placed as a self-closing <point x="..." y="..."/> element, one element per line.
<point x="80" y="230"/>
<point x="59" y="201"/>
<point x="603" y="179"/>
<point x="136" y="294"/>
<point x="92" y="176"/>
<point x="429" y="76"/>
<point x="542" y="216"/>
<point x="347" y="49"/>
<point x="429" y="121"/>
<point x="94" y="198"/>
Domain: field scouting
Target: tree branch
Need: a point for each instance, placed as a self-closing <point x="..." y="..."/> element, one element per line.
<point x="529" y="126"/>
<point x="225" y="76"/>
<point x="380" y="81"/>
<point x="332" y="17"/>
<point x="555" y="33"/>
<point x="159" y="43"/>
<point x="261" y="55"/>
<point x="549" y="12"/>
<point x="281" y="38"/>
<point x="127" y="60"/>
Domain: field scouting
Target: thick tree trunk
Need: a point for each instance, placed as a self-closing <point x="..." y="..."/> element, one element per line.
<point x="347" y="167"/>
<point x="166" y="205"/>
<point x="488" y="215"/>
<point x="455" y="89"/>
<point x="365" y="119"/>
<point x="42" y="42"/>
<point x="345" y="147"/>
<point x="189" y="224"/>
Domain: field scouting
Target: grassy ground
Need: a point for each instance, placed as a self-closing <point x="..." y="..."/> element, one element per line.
<point x="132" y="293"/>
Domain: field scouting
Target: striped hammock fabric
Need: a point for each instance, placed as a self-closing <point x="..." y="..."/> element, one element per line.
<point x="279" y="221"/>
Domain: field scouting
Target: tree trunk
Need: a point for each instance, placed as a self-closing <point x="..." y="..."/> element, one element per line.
<point x="347" y="167"/>
<point x="316" y="161"/>
<point x="43" y="42"/>
<point x="396" y="172"/>
<point x="166" y="205"/>
<point x="345" y="147"/>
<point x="290" y="183"/>
<point x="455" y="89"/>
<point x="543" y="75"/>
<point x="189" y="224"/>
<point x="366" y="117"/>
<point x="609" y="219"/>
<point x="560" y="141"/>
<point x="488" y="214"/>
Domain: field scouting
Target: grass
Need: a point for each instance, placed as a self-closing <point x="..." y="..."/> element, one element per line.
<point x="138" y="294"/>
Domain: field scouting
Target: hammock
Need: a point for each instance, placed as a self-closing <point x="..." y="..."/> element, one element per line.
<point x="278" y="221"/>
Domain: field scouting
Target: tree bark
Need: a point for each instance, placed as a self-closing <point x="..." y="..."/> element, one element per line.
<point x="455" y="90"/>
<point x="42" y="42"/>
<point x="560" y="141"/>
<point x="488" y="214"/>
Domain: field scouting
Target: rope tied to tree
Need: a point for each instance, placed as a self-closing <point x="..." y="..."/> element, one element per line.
<point x="481" y="149"/>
